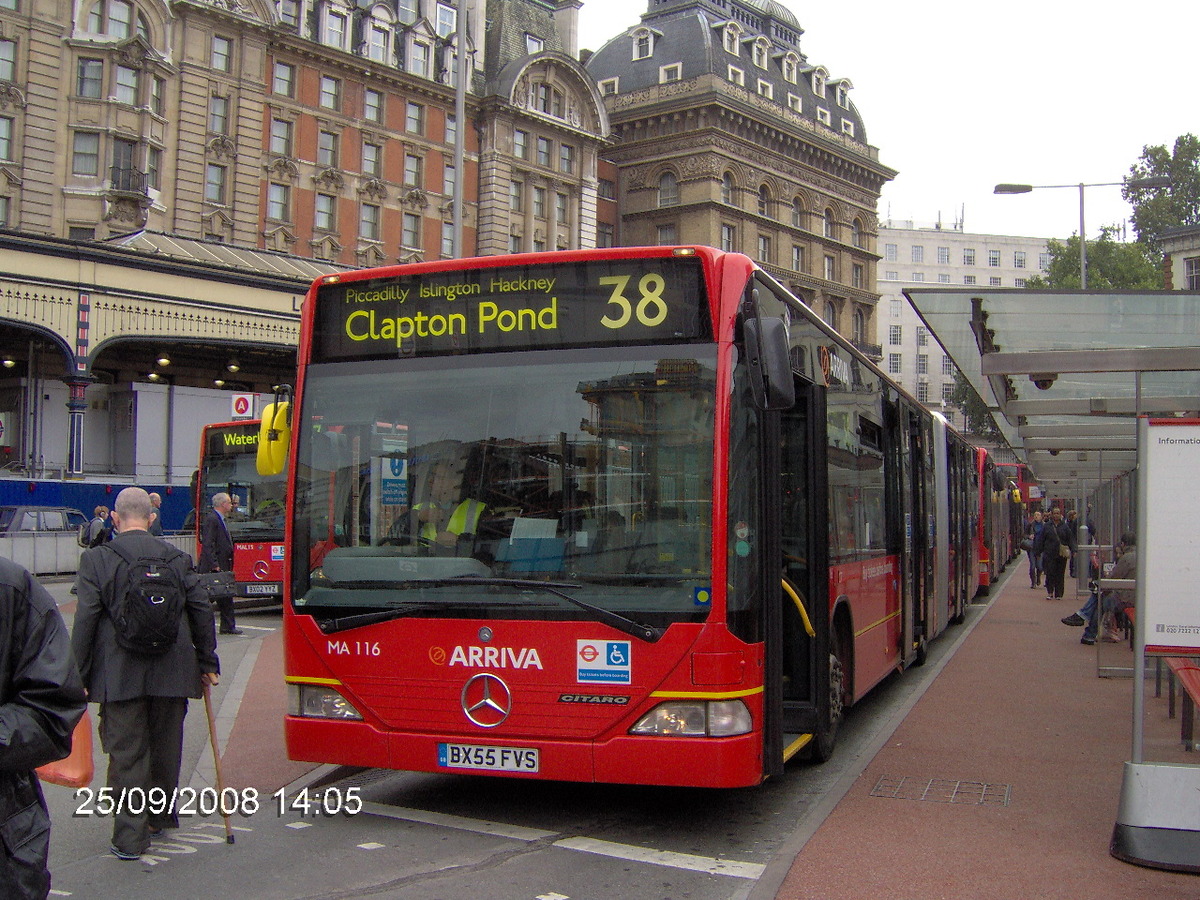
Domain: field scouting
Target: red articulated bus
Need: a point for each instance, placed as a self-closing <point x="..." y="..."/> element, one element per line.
<point x="228" y="453"/>
<point x="629" y="515"/>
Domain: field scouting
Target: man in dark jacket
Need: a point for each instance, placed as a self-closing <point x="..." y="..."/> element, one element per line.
<point x="1055" y="536"/>
<point x="41" y="700"/>
<point x="216" y="554"/>
<point x="143" y="699"/>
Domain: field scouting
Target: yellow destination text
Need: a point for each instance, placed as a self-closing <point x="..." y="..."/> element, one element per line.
<point x="364" y="325"/>
<point x="379" y="295"/>
<point x="449" y="291"/>
<point x="239" y="440"/>
<point x="492" y="316"/>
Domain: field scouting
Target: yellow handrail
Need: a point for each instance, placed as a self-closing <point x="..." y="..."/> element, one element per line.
<point x="800" y="606"/>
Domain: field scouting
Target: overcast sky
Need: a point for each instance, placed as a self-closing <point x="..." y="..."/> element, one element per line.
<point x="959" y="96"/>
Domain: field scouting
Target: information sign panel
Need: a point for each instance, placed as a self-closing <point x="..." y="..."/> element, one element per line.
<point x="1168" y="564"/>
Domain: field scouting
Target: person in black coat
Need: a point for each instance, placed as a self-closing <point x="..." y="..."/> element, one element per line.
<point x="216" y="554"/>
<point x="143" y="699"/>
<point x="41" y="700"/>
<point x="1055" y="535"/>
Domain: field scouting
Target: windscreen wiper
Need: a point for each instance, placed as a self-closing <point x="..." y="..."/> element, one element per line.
<point x="647" y="633"/>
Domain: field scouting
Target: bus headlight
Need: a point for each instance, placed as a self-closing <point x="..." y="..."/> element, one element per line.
<point x="696" y="718"/>
<point x="317" y="701"/>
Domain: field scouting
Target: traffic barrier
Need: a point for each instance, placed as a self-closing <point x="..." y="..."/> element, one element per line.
<point x="57" y="552"/>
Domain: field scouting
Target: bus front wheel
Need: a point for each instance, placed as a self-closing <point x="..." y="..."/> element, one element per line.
<point x="826" y="737"/>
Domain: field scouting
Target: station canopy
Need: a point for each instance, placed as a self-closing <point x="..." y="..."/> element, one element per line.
<point x="1065" y="374"/>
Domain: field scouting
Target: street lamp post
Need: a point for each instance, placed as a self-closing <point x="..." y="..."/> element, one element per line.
<point x="1151" y="182"/>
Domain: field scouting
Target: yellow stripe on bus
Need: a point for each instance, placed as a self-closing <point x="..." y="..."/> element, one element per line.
<point x="704" y="695"/>
<point x="876" y="624"/>
<point x="301" y="679"/>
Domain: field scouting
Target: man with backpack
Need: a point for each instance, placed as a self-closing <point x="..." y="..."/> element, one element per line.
<point x="144" y="638"/>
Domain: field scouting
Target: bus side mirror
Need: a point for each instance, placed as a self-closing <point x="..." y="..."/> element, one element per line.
<point x="767" y="356"/>
<point x="274" y="435"/>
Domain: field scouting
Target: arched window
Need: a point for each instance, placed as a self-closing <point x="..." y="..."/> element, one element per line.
<point x="798" y="213"/>
<point x="856" y="233"/>
<point x="829" y="223"/>
<point x="668" y="189"/>
<point x="727" y="189"/>
<point x="764" y="201"/>
<point x="831" y="314"/>
<point x="731" y="38"/>
<point x="860" y="326"/>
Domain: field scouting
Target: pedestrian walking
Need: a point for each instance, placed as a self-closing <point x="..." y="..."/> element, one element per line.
<point x="1056" y="543"/>
<point x="142" y="677"/>
<point x="1032" y="528"/>
<point x="41" y="700"/>
<point x="216" y="554"/>
<point x="156" y="527"/>
<point x="99" y="529"/>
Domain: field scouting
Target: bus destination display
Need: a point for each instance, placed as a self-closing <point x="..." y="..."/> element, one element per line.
<point x="596" y="303"/>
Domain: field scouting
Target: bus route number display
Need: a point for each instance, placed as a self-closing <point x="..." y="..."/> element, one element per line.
<point x="588" y="304"/>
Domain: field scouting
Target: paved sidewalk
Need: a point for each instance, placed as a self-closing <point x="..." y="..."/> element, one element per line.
<point x="1034" y="742"/>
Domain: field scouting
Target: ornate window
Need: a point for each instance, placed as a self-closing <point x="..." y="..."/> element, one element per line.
<point x="116" y="19"/>
<point x="830" y="225"/>
<point x="643" y="43"/>
<point x="856" y="234"/>
<point x="731" y="38"/>
<point x="764" y="201"/>
<point x="761" y="52"/>
<point x="668" y="189"/>
<point x="407" y="10"/>
<point x="798" y="213"/>
<point x="819" y="78"/>
<point x="790" y="67"/>
<point x="728" y="190"/>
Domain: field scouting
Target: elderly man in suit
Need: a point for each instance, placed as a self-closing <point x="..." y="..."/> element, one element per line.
<point x="143" y="699"/>
<point x="216" y="554"/>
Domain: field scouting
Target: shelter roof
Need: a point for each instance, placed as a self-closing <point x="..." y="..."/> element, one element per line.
<point x="1066" y="373"/>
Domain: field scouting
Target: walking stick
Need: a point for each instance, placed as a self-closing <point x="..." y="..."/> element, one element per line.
<point x="212" y="737"/>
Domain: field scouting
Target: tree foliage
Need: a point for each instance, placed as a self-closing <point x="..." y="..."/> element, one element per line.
<point x="976" y="418"/>
<point x="1156" y="209"/>
<point x="1111" y="265"/>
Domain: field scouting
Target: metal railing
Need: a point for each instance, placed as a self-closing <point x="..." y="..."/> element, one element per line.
<point x="57" y="552"/>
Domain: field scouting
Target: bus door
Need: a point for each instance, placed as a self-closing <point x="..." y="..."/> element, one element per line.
<point x="801" y="494"/>
<point x="902" y="487"/>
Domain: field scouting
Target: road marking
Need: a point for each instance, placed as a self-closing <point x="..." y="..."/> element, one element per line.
<point x="707" y="864"/>
<point x="246" y="627"/>
<point x="372" y="845"/>
<point x="479" y="826"/>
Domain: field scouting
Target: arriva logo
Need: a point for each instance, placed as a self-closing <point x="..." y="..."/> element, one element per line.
<point x="492" y="658"/>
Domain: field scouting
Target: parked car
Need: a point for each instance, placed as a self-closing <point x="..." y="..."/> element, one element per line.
<point x="40" y="518"/>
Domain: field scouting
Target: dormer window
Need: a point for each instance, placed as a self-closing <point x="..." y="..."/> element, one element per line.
<point x="737" y="76"/>
<point x="447" y="20"/>
<point x="843" y="95"/>
<point x="335" y="30"/>
<point x="407" y="11"/>
<point x="609" y="86"/>
<point x="765" y="89"/>
<point x="667" y="74"/>
<point x="823" y="116"/>
<point x="761" y="52"/>
<point x="732" y="38"/>
<point x="847" y="128"/>
<point x="643" y="44"/>
<point x="819" y="78"/>
<point x="533" y="43"/>
<point x="790" y="66"/>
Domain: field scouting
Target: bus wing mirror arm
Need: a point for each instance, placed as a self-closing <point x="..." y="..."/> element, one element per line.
<point x="767" y="356"/>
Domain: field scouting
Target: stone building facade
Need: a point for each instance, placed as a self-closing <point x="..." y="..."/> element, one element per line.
<point x="726" y="134"/>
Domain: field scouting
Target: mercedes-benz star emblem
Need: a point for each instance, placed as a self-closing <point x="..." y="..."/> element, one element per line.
<point x="486" y="700"/>
<point x="262" y="570"/>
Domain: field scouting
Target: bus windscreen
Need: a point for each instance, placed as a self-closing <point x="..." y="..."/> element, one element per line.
<point x="601" y="302"/>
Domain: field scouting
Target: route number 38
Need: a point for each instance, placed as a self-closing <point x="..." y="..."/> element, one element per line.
<point x="651" y="309"/>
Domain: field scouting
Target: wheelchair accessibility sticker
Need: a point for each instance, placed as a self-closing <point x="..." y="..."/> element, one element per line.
<point x="603" y="662"/>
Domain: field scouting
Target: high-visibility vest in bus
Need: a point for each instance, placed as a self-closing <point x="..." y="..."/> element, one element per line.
<point x="465" y="518"/>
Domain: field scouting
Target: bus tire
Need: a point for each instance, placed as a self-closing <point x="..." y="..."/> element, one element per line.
<point x="825" y="739"/>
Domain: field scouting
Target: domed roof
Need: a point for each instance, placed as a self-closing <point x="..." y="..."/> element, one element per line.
<point x="776" y="10"/>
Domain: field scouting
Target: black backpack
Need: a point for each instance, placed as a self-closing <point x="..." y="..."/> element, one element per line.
<point x="148" y="606"/>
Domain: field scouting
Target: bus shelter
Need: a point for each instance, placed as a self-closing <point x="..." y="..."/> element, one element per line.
<point x="1072" y="379"/>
